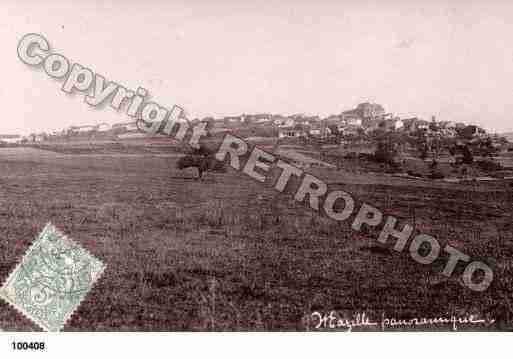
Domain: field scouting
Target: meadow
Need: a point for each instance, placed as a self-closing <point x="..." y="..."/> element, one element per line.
<point x="227" y="253"/>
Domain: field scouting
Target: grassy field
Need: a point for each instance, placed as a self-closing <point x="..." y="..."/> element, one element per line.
<point x="228" y="253"/>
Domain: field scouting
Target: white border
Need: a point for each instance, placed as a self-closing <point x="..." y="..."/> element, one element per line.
<point x="263" y="345"/>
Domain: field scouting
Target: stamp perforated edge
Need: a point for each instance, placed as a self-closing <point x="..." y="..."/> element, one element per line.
<point x="62" y="236"/>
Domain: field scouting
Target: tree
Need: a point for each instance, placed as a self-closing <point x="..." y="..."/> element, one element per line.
<point x="334" y="130"/>
<point x="429" y="144"/>
<point x="486" y="147"/>
<point x="386" y="150"/>
<point x="468" y="132"/>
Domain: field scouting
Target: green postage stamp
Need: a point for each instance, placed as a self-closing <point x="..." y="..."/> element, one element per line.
<point x="52" y="279"/>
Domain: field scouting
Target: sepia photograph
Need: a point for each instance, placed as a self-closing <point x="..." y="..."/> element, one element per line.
<point x="250" y="166"/>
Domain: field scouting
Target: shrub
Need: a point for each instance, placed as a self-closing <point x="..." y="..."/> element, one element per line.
<point x="386" y="152"/>
<point x="488" y="165"/>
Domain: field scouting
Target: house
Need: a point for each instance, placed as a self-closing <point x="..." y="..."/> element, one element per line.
<point x="81" y="129"/>
<point x="319" y="131"/>
<point x="103" y="127"/>
<point x="291" y="133"/>
<point x="422" y="125"/>
<point x="59" y="133"/>
<point x="307" y="120"/>
<point x="448" y="132"/>
<point x="396" y="123"/>
<point x="410" y="124"/>
<point x="481" y="132"/>
<point x="232" y="119"/>
<point x="315" y="131"/>
<point x="370" y="110"/>
<point x="277" y="119"/>
<point x="255" y="118"/>
<point x="298" y="116"/>
<point x="37" y="137"/>
<point x="125" y="126"/>
<point x="282" y="121"/>
<point x="448" y="129"/>
<point x="353" y="121"/>
<point x="471" y="131"/>
<point x="11" y="138"/>
<point x="447" y="124"/>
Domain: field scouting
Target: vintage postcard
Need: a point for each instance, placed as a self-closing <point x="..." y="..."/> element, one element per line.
<point x="242" y="166"/>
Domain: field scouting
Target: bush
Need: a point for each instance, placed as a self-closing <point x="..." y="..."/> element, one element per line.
<point x="386" y="152"/>
<point x="488" y="165"/>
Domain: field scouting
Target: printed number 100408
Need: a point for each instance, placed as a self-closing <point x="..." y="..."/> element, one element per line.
<point x="28" y="346"/>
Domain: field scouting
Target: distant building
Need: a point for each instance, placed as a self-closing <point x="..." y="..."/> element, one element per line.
<point x="37" y="137"/>
<point x="307" y="120"/>
<point x="354" y="122"/>
<point x="471" y="131"/>
<point x="11" y="138"/>
<point x="125" y="126"/>
<point x="334" y="121"/>
<point x="410" y="124"/>
<point x="365" y="110"/>
<point x="291" y="133"/>
<point x="298" y="116"/>
<point x="103" y="127"/>
<point x="396" y="124"/>
<point x="446" y="124"/>
<point x="448" y="132"/>
<point x="319" y="131"/>
<point x="59" y="133"/>
<point x="81" y="129"/>
<point x="422" y="125"/>
<point x="254" y="118"/>
<point x="370" y="110"/>
<point x="448" y="129"/>
<point x="233" y="119"/>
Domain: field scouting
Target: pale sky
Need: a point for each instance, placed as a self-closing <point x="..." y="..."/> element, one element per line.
<point x="212" y="57"/>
